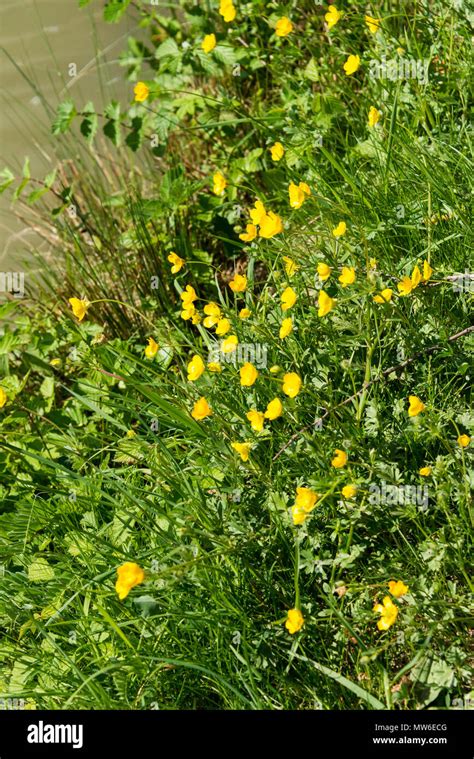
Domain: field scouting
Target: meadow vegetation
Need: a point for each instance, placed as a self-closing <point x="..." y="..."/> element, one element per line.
<point x="235" y="415"/>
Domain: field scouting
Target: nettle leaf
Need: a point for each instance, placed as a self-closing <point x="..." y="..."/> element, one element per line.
<point x="6" y="178"/>
<point x="311" y="71"/>
<point x="114" y="10"/>
<point x="90" y="123"/>
<point x="40" y="571"/>
<point x="225" y="54"/>
<point x="112" y="110"/>
<point x="26" y="179"/>
<point x="111" y="130"/>
<point x="65" y="114"/>
<point x="167" y="49"/>
<point x="135" y="138"/>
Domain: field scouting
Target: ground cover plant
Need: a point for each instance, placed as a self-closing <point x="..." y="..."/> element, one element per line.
<point x="235" y="418"/>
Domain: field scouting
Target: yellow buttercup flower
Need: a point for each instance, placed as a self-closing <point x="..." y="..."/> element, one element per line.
<point x="243" y="449"/>
<point x="291" y="384"/>
<point x="416" y="405"/>
<point x="388" y="613"/>
<point x="141" y="92"/>
<point x="227" y="10"/>
<point x="325" y="303"/>
<point x="332" y="16"/>
<point x="373" y="263"/>
<point x="290" y="266"/>
<point x="464" y="440"/>
<point x="129" y="575"/>
<point x="189" y="312"/>
<point x="274" y="409"/>
<point x="306" y="499"/>
<point x="196" y="367"/>
<point x="288" y="298"/>
<point x="188" y="296"/>
<point x="405" y="286"/>
<point x="304" y="504"/>
<point x="294" y="621"/>
<point x="248" y="375"/>
<point x="55" y="362"/>
<point x="213" y="314"/>
<point x="348" y="276"/>
<point x="324" y="271"/>
<point x="374" y="116"/>
<point x="256" y="419"/>
<point x="249" y="234"/>
<point x="151" y="349"/>
<point x="201" y="410"/>
<point x="408" y="284"/>
<point x="425" y="471"/>
<point x="397" y="589"/>
<point x="229" y="345"/>
<point x="352" y="64"/>
<point x="3" y="397"/>
<point x="385" y="296"/>
<point x="223" y="327"/>
<point x="79" y="307"/>
<point x="209" y="42"/>
<point x="239" y="283"/>
<point x="349" y="491"/>
<point x="219" y="183"/>
<point x="415" y="277"/>
<point x="215" y="367"/>
<point x="283" y="27"/>
<point x="258" y="213"/>
<point x="177" y="262"/>
<point x="427" y="271"/>
<point x="340" y="459"/>
<point x="270" y="225"/>
<point x="372" y="23"/>
<point x="278" y="151"/>
<point x="298" y="194"/>
<point x="286" y="327"/>
<point x="340" y="230"/>
<point x="244" y="313"/>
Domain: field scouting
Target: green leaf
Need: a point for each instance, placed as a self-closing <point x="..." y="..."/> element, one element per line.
<point x="90" y="123"/>
<point x="37" y="194"/>
<point x="40" y="571"/>
<point x="311" y="71"/>
<point x="26" y="178"/>
<point x="111" y="130"/>
<point x="6" y="178"/>
<point x="134" y="138"/>
<point x="114" y="10"/>
<point x="167" y="49"/>
<point x="65" y="114"/>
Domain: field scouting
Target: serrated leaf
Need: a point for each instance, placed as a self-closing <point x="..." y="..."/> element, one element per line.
<point x="167" y="49"/>
<point x="134" y="138"/>
<point x="89" y="124"/>
<point x="6" y="178"/>
<point x="65" y="114"/>
<point x="37" y="194"/>
<point x="40" y="571"/>
<point x="111" y="130"/>
<point x="311" y="71"/>
<point x="114" y="10"/>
